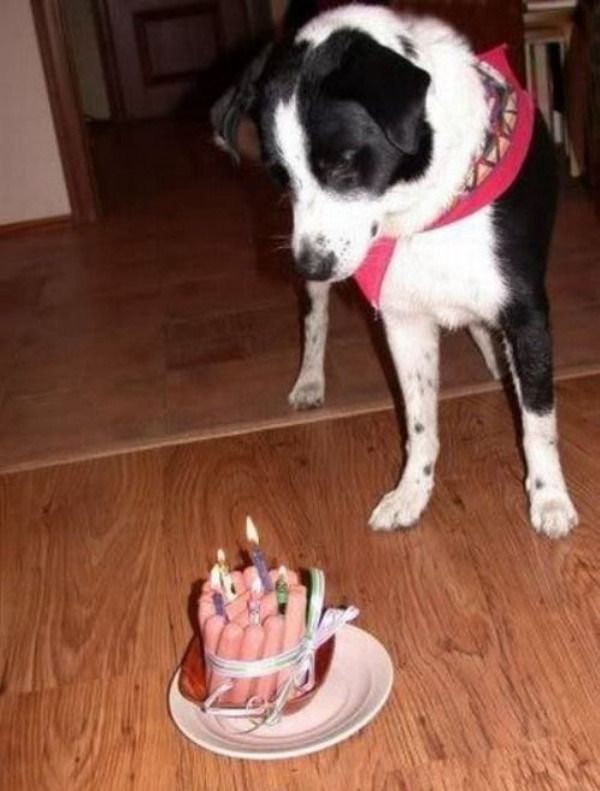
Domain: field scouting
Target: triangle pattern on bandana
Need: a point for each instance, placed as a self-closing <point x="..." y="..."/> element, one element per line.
<point x="501" y="98"/>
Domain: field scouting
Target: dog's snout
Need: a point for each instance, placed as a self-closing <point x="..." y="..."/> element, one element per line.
<point x="315" y="265"/>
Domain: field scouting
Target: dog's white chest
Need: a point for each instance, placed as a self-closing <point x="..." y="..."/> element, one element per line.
<point x="450" y="273"/>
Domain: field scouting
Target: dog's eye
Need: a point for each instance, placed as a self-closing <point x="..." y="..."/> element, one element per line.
<point x="342" y="174"/>
<point x="343" y="162"/>
<point x="338" y="170"/>
<point x="338" y="162"/>
<point x="348" y="156"/>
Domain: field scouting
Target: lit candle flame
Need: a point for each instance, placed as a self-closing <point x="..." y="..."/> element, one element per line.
<point x="225" y="583"/>
<point x="251" y="531"/>
<point x="282" y="573"/>
<point x="257" y="556"/>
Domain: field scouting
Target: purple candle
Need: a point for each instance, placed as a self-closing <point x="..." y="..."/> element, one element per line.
<point x="258" y="559"/>
<point x="254" y="601"/>
<point x="217" y="596"/>
<point x="219" y="604"/>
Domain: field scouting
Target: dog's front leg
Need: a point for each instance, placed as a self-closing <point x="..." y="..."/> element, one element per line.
<point x="530" y="356"/>
<point x="309" y="390"/>
<point x="414" y="344"/>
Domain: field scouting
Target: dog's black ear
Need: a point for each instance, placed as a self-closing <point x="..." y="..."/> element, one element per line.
<point x="390" y="87"/>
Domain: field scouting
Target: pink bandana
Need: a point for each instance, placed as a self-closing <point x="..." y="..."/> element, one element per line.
<point x="504" y="150"/>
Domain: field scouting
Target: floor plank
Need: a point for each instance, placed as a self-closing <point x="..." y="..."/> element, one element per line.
<point x="176" y="316"/>
<point x="493" y="631"/>
<point x="83" y="573"/>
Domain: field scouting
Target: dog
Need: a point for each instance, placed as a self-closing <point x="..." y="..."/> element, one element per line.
<point x="372" y="121"/>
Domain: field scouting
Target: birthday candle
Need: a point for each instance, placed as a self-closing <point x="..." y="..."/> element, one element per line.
<point x="292" y="577"/>
<point x="257" y="556"/>
<point x="268" y="606"/>
<point x="254" y="602"/>
<point x="217" y="596"/>
<point x="281" y="589"/>
<point x="226" y="581"/>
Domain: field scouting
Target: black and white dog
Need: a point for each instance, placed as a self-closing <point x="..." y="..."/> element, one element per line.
<point x="372" y="118"/>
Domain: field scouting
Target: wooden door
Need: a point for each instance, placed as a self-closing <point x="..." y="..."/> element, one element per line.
<point x="163" y="49"/>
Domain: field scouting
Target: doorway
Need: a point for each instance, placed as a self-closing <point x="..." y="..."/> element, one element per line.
<point x="131" y="84"/>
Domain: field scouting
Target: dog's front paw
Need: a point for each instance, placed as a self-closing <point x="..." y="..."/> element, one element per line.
<point x="401" y="507"/>
<point x="553" y="514"/>
<point x="307" y="394"/>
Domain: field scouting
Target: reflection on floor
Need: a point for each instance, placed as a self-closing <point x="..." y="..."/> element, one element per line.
<point x="176" y="316"/>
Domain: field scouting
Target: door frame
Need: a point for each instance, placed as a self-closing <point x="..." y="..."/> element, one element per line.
<point x="108" y="57"/>
<point x="66" y="110"/>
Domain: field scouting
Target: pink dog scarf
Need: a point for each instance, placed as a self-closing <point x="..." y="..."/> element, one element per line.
<point x="510" y="128"/>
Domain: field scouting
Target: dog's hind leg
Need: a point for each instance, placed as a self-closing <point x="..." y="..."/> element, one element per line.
<point x="309" y="390"/>
<point x="414" y="344"/>
<point x="529" y="352"/>
<point x="485" y="343"/>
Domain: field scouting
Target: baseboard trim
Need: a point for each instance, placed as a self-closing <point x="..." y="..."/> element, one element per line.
<point x="40" y="225"/>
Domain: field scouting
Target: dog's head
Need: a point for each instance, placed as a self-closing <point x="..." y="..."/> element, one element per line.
<point x="342" y="121"/>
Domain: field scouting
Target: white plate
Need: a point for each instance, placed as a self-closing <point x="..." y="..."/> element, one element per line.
<point x="357" y="685"/>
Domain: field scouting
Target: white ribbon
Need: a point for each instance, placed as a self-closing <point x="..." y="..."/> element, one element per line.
<point x="300" y="659"/>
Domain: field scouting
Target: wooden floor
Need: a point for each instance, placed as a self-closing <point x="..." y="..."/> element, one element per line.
<point x="176" y="317"/>
<point x="494" y="632"/>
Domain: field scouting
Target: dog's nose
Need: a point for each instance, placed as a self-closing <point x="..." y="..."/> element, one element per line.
<point x="313" y="265"/>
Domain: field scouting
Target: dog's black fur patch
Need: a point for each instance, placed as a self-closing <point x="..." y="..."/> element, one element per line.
<point x="524" y="219"/>
<point x="362" y="107"/>
<point x="360" y="137"/>
<point x="277" y="83"/>
<point x="387" y="85"/>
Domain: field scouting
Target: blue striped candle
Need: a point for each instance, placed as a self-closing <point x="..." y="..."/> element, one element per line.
<point x="217" y="596"/>
<point x="258" y="559"/>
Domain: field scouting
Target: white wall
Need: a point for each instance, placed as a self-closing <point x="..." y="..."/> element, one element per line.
<point x="32" y="184"/>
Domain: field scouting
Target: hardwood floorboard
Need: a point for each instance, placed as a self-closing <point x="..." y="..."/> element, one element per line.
<point x="176" y="316"/>
<point x="493" y="631"/>
<point x="83" y="573"/>
<point x="545" y="765"/>
<point x="108" y="733"/>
